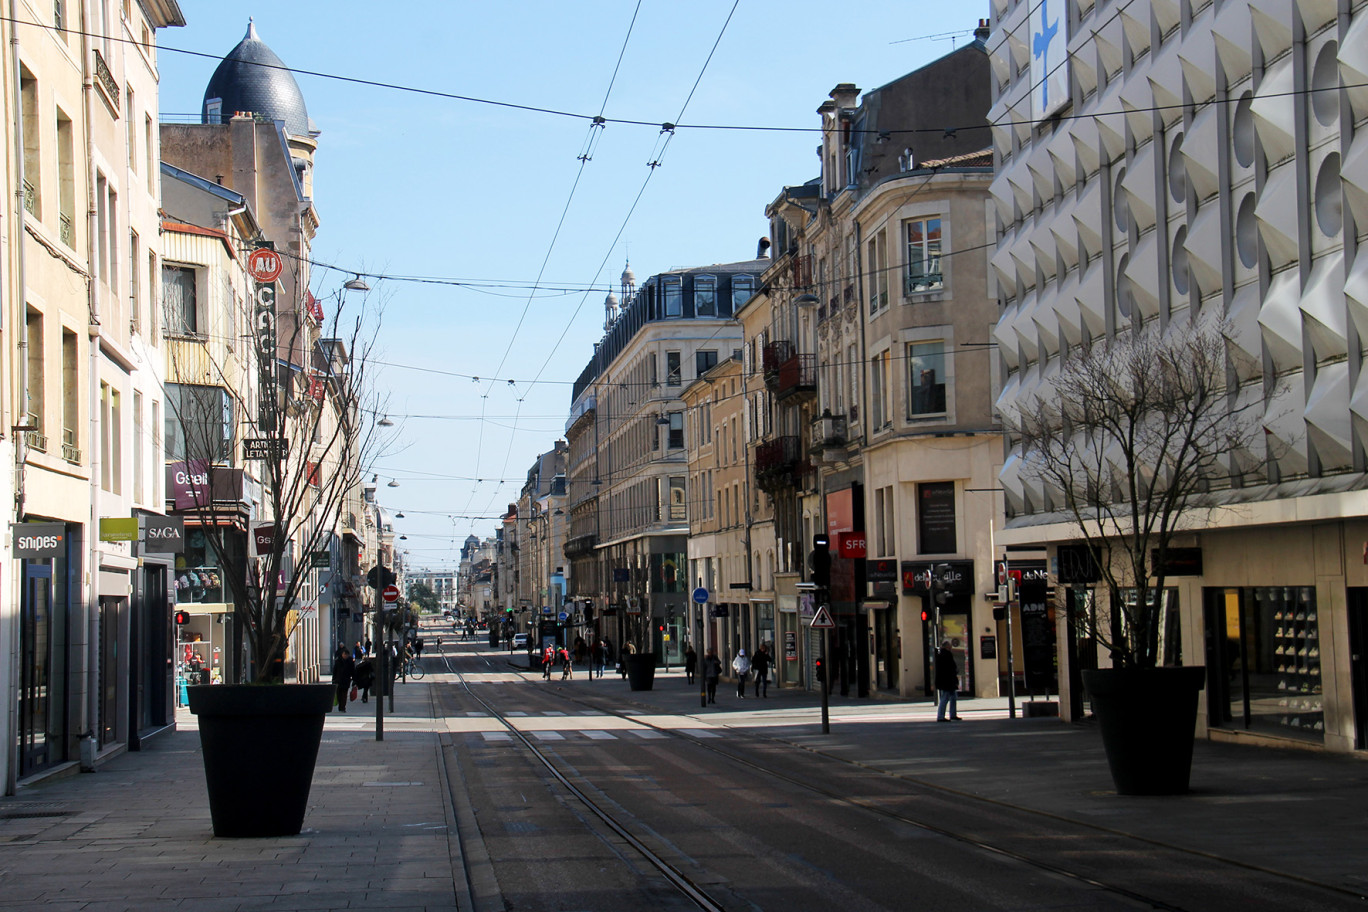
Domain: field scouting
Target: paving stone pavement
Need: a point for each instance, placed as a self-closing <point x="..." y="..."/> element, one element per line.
<point x="136" y="834"/>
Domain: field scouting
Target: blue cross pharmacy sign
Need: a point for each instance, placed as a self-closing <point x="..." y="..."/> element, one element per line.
<point x="1049" y="57"/>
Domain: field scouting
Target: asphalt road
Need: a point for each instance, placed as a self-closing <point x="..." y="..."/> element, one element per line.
<point x="757" y="820"/>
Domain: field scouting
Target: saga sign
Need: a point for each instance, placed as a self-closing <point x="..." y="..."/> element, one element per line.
<point x="39" y="541"/>
<point x="164" y="534"/>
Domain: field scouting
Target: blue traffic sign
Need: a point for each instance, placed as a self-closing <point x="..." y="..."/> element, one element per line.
<point x="700" y="595"/>
<point x="563" y="616"/>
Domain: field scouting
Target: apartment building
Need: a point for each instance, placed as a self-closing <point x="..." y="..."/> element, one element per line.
<point x="628" y="467"/>
<point x="85" y="612"/>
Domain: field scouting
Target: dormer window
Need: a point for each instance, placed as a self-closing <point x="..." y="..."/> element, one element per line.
<point x="705" y="296"/>
<point x="213" y="111"/>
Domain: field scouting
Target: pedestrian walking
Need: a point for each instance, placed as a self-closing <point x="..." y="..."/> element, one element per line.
<point x="690" y="663"/>
<point x="712" y="671"/>
<point x="342" y="670"/>
<point x="947" y="683"/>
<point x="600" y="658"/>
<point x="741" y="665"/>
<point x="629" y="649"/>
<point x="364" y="678"/>
<point x="761" y="664"/>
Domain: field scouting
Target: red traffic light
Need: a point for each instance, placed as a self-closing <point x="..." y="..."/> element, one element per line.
<point x="182" y="617"/>
<point x="926" y="616"/>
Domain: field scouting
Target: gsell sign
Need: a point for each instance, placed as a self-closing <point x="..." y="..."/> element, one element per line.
<point x="39" y="541"/>
<point x="263" y="537"/>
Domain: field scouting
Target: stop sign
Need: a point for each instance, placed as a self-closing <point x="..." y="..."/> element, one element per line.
<point x="390" y="593"/>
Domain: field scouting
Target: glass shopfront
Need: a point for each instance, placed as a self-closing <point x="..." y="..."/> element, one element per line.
<point x="1263" y="660"/>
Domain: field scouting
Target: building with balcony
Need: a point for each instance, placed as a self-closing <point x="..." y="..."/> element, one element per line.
<point x="628" y="467"/>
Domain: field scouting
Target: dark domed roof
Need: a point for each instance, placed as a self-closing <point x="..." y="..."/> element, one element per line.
<point x="252" y="78"/>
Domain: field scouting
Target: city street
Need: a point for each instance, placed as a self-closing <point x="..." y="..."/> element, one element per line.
<point x="743" y="805"/>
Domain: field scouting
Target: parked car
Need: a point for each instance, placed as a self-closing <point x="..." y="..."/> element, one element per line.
<point x="519" y="641"/>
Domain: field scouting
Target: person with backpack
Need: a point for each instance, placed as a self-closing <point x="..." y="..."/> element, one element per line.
<point x="741" y="665"/>
<point x="567" y="669"/>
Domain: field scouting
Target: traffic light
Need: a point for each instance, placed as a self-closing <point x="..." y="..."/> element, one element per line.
<point x="820" y="666"/>
<point x="819" y="561"/>
<point x="926" y="615"/>
<point x="182" y="618"/>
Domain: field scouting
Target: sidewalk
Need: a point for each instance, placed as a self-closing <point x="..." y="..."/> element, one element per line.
<point x="136" y="833"/>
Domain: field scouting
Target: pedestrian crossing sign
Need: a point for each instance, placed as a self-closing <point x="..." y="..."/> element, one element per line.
<point x="822" y="620"/>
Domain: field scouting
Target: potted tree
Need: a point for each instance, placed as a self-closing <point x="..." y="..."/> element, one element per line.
<point x="274" y="450"/>
<point x="638" y="657"/>
<point x="1135" y="434"/>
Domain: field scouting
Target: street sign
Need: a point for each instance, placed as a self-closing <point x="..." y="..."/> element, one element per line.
<point x="822" y="620"/>
<point x="563" y="616"/>
<point x="264" y="448"/>
<point x="265" y="265"/>
<point x="320" y="559"/>
<point x="390" y="594"/>
<point x="700" y="595"/>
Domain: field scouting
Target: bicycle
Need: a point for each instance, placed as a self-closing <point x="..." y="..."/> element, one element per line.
<point x="411" y="668"/>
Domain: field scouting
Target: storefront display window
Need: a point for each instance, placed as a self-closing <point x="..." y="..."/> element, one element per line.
<point x="1264" y="660"/>
<point x="198" y="577"/>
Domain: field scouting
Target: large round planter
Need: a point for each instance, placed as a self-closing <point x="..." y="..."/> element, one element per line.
<point x="260" y="743"/>
<point x="1148" y="719"/>
<point x="640" y="670"/>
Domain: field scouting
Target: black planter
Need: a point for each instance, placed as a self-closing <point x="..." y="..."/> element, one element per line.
<point x="260" y="743"/>
<point x="1148" y="719"/>
<point x="640" y="670"/>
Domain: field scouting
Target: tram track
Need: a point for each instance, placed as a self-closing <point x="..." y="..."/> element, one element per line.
<point x="881" y="809"/>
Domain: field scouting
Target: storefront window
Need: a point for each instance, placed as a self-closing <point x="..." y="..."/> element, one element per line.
<point x="1264" y="660"/>
<point x="198" y="577"/>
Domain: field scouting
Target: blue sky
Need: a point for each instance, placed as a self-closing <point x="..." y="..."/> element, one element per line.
<point x="411" y="184"/>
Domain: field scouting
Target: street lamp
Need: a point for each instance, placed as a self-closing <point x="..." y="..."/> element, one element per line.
<point x="356" y="284"/>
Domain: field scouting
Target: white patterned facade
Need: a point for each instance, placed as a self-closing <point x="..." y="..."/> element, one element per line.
<point x="1208" y="156"/>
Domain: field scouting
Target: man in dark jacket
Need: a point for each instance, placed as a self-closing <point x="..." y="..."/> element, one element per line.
<point x="761" y="663"/>
<point x="343" y="668"/>
<point x="947" y="683"/>
<point x="712" y="671"/>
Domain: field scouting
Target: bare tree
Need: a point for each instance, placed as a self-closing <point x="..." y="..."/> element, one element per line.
<point x="1127" y="441"/>
<point x="314" y="399"/>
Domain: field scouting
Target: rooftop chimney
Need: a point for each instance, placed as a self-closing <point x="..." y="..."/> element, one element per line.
<point x="981" y="33"/>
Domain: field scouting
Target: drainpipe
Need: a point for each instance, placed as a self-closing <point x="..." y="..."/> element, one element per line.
<point x="91" y="586"/>
<point x="17" y="234"/>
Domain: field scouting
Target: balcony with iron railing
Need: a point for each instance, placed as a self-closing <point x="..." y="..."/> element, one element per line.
<point x="70" y="451"/>
<point x="30" y="198"/>
<point x="35" y="438"/>
<point x="787" y="372"/>
<point x="778" y="464"/>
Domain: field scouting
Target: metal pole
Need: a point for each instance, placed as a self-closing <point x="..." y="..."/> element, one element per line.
<point x="826" y="676"/>
<point x="1011" y="670"/>
<point x="698" y="663"/>
<point x="381" y="675"/>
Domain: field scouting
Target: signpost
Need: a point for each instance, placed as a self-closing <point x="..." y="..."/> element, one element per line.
<point x="265" y="448"/>
<point x="822" y="621"/>
<point x="390" y="594"/>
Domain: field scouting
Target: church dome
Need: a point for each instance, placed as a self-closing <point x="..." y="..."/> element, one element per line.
<point x="253" y="79"/>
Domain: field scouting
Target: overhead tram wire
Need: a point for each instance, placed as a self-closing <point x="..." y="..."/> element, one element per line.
<point x="657" y="157"/>
<point x="596" y="127"/>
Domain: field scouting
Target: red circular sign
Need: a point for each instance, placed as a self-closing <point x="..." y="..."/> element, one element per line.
<point x="390" y="593"/>
<point x="264" y="264"/>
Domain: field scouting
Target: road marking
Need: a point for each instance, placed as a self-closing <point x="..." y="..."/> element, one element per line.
<point x="595" y="735"/>
<point x="548" y="736"/>
<point x="497" y="736"/>
<point x="649" y="734"/>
